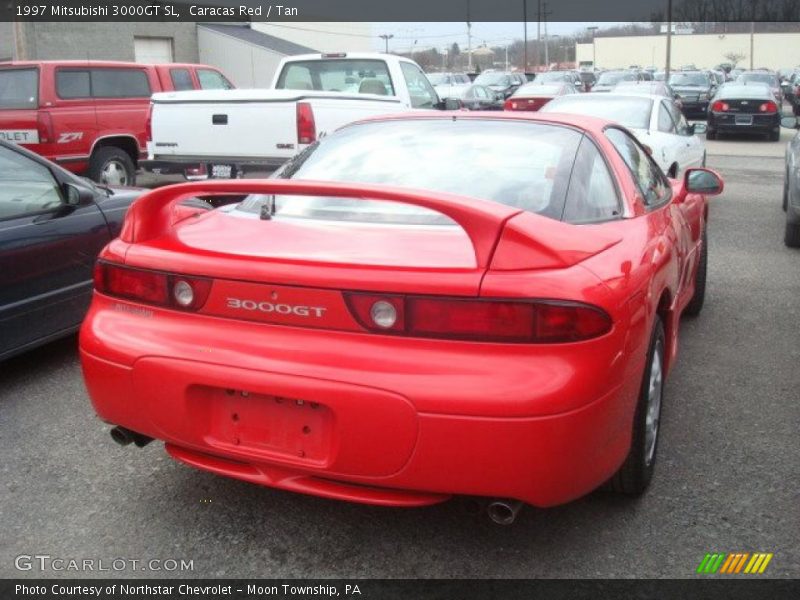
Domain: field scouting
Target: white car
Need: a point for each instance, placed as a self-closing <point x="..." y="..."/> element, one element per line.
<point x="655" y="121"/>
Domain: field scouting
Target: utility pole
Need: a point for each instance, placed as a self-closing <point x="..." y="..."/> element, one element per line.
<point x="538" y="30"/>
<point x="386" y="37"/>
<point x="469" y="41"/>
<point x="546" y="50"/>
<point x="752" y="44"/>
<point x="594" y="50"/>
<point x="525" y="35"/>
<point x="669" y="41"/>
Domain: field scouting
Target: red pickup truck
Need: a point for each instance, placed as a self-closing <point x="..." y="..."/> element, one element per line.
<point x="90" y="116"/>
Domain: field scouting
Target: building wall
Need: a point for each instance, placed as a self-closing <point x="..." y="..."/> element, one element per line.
<point x="770" y="50"/>
<point x="245" y="64"/>
<point x="6" y="40"/>
<point x="326" y="37"/>
<point x="100" y="41"/>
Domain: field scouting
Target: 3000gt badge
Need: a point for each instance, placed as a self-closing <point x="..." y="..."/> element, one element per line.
<point x="281" y="309"/>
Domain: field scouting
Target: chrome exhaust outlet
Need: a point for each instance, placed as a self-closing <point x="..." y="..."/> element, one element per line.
<point x="504" y="512"/>
<point x="124" y="437"/>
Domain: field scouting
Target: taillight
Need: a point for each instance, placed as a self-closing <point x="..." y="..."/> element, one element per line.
<point x="510" y="104"/>
<point x="306" y="128"/>
<point x="151" y="287"/>
<point x="510" y="321"/>
<point x="720" y="106"/>
<point x="148" y="124"/>
<point x="768" y="107"/>
<point x="44" y="124"/>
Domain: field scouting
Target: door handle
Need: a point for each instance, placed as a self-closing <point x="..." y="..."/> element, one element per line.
<point x="219" y="119"/>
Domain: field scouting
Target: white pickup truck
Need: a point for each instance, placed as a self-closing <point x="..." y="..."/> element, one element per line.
<point x="225" y="133"/>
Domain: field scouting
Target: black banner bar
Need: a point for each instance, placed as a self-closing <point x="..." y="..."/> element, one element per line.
<point x="733" y="588"/>
<point x="407" y="10"/>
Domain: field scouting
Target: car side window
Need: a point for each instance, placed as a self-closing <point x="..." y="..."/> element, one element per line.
<point x="677" y="116"/>
<point x="120" y="83"/>
<point x="212" y="80"/>
<point x="480" y="93"/>
<point x="652" y="183"/>
<point x="592" y="194"/>
<point x="181" y="79"/>
<point x="72" y="84"/>
<point x="665" y="122"/>
<point x="26" y="186"/>
<point x="419" y="88"/>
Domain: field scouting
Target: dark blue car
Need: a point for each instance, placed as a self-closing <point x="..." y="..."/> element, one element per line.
<point x="52" y="226"/>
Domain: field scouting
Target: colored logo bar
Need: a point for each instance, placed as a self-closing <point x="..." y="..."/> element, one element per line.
<point x="735" y="563"/>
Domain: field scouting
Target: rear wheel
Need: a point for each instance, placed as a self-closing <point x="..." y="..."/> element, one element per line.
<point x="786" y="190"/>
<point x="112" y="166"/>
<point x="775" y="136"/>
<point x="636" y="472"/>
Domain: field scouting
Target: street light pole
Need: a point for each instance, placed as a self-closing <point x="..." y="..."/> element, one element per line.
<point x="669" y="41"/>
<point x="386" y="37"/>
<point x="594" y="50"/>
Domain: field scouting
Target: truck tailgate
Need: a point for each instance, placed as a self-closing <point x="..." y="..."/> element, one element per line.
<point x="250" y="124"/>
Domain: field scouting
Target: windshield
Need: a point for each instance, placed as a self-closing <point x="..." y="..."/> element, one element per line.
<point x="612" y="78"/>
<point x="19" y="88"/>
<point x="767" y="78"/>
<point x="493" y="79"/>
<point x="630" y="111"/>
<point x="525" y="165"/>
<point x="337" y="75"/>
<point x="699" y="79"/>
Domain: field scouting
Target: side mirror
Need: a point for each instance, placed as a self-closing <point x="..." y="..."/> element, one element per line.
<point x="703" y="181"/>
<point x="789" y="122"/>
<point x="451" y="104"/>
<point x="75" y="196"/>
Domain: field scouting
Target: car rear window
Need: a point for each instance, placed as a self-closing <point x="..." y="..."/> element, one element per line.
<point x="19" y="88"/>
<point x="337" y="75"/>
<point x="212" y="80"/>
<point x="524" y="165"/>
<point x="630" y="111"/>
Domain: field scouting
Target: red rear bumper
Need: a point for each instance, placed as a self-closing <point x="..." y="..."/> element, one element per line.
<point x="310" y="411"/>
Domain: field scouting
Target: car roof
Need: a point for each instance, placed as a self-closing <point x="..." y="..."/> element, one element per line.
<point x="98" y="63"/>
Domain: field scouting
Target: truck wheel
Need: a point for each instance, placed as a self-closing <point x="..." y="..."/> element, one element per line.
<point x="636" y="472"/>
<point x="112" y="166"/>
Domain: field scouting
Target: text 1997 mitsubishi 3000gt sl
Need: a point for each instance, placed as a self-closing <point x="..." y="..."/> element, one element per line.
<point x="415" y="307"/>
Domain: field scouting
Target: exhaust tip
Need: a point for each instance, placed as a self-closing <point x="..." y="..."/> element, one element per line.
<point x="504" y="512"/>
<point x="121" y="435"/>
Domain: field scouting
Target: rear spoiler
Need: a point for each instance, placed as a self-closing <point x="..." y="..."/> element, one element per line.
<point x="503" y="237"/>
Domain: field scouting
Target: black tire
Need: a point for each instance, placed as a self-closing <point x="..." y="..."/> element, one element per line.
<point x="775" y="136"/>
<point x="635" y="474"/>
<point x="792" y="236"/>
<point x="698" y="298"/>
<point x="108" y="161"/>
<point x="786" y="190"/>
<point x="711" y="134"/>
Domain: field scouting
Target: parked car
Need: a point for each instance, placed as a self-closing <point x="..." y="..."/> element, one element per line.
<point x="588" y="79"/>
<point x="609" y="79"/>
<point x="571" y="77"/>
<point x="502" y="82"/>
<point x="225" y="134"/>
<point x="766" y="77"/>
<point x="90" y="116"/>
<point x="655" y="121"/>
<point x="52" y="226"/>
<point x="448" y="78"/>
<point x="533" y="96"/>
<point x="646" y="88"/>
<point x="475" y="97"/>
<point x="791" y="187"/>
<point x="789" y="86"/>
<point x="744" y="108"/>
<point x="280" y="340"/>
<point x="695" y="89"/>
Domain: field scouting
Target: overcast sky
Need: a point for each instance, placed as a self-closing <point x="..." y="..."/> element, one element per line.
<point x="440" y="35"/>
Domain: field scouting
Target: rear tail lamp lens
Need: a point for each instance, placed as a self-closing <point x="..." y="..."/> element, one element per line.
<point x="510" y="104"/>
<point x="306" y="126"/>
<point x="509" y="321"/>
<point x="768" y="107"/>
<point x="151" y="287"/>
<point x="720" y="106"/>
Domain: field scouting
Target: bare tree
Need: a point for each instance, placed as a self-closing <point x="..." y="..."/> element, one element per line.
<point x="734" y="57"/>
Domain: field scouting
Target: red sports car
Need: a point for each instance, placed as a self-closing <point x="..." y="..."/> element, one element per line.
<point x="415" y="307"/>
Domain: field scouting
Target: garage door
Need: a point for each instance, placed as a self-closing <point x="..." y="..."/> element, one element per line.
<point x="152" y="50"/>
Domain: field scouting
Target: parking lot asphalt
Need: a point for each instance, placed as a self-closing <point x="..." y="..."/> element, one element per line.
<point x="727" y="478"/>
